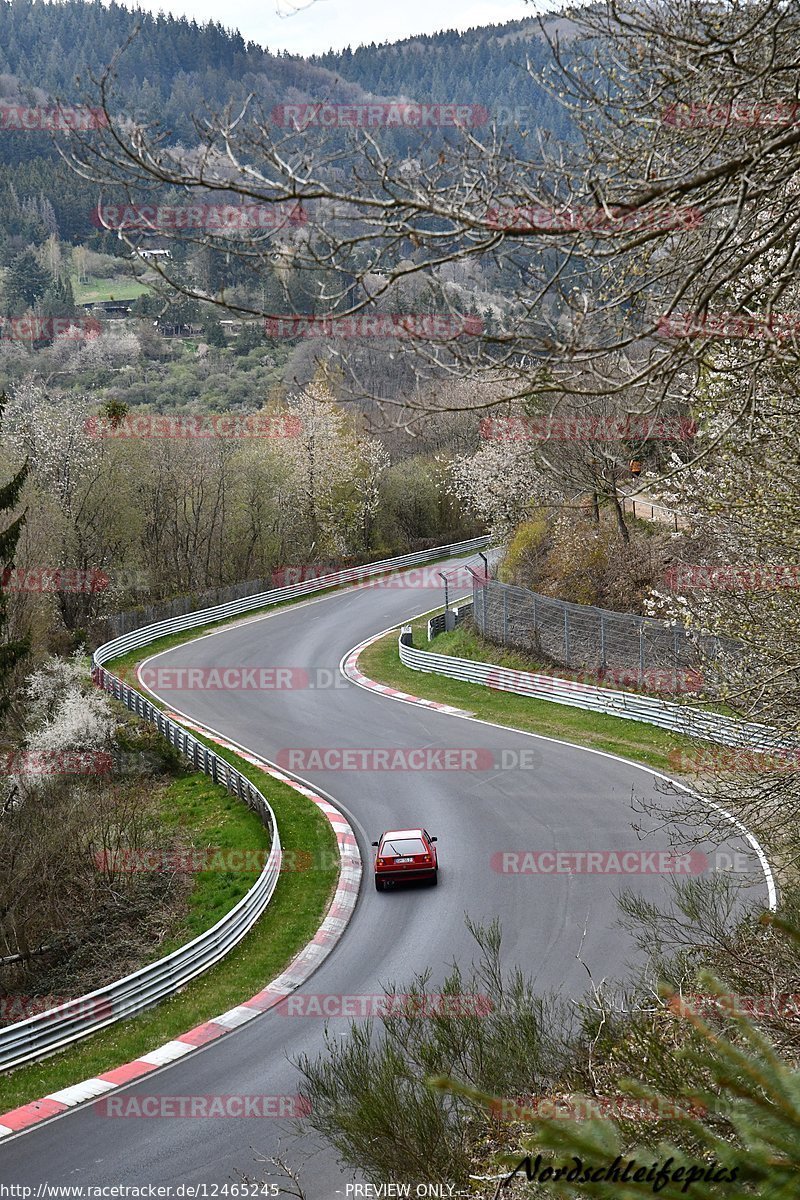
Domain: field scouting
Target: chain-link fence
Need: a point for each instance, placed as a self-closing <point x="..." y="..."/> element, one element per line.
<point x="582" y="636"/>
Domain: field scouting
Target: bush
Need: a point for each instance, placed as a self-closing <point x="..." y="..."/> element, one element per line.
<point x="526" y="554"/>
<point x="571" y="558"/>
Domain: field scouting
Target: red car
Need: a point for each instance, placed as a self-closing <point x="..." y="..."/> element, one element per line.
<point x="405" y="854"/>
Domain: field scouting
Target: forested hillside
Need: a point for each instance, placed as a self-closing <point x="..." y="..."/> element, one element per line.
<point x="493" y="66"/>
<point x="175" y="70"/>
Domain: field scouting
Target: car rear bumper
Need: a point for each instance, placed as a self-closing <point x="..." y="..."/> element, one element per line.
<point x="412" y="873"/>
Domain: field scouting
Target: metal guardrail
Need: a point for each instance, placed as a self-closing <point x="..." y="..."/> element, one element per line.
<point x="220" y="612"/>
<point x="52" y="1030"/>
<point x="677" y="718"/>
<point x="56" y="1028"/>
<point x="436" y="625"/>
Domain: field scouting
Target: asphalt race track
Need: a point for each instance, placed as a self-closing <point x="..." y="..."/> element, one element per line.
<point x="562" y="798"/>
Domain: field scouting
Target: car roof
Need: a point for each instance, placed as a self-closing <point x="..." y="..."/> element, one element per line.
<point x="403" y="833"/>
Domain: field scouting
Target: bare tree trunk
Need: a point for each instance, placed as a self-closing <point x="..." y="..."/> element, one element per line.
<point x="619" y="515"/>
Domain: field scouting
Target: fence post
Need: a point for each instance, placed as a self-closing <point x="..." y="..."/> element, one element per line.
<point x="567" y="656"/>
<point x="675" y="659"/>
<point x="602" y="642"/>
<point x="641" y="653"/>
<point x="505" y="615"/>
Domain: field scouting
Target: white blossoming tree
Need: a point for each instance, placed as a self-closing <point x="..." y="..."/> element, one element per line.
<point x="332" y="472"/>
<point x="66" y="715"/>
<point x="501" y="483"/>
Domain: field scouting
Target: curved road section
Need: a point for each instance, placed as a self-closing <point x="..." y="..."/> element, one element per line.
<point x="531" y="830"/>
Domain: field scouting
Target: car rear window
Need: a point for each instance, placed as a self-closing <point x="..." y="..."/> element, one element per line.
<point x="400" y="847"/>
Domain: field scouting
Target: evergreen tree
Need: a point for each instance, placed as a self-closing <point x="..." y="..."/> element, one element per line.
<point x="58" y="300"/>
<point x="214" y="333"/>
<point x="26" y="281"/>
<point x="11" y="651"/>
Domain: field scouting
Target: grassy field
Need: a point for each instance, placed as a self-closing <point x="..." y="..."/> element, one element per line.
<point x="119" y="287"/>
<point x="204" y="815"/>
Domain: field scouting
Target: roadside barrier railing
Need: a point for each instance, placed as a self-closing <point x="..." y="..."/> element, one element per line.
<point x="686" y="719"/>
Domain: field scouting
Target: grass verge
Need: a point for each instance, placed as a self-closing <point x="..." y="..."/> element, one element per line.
<point x="291" y="920"/>
<point x="206" y="816"/>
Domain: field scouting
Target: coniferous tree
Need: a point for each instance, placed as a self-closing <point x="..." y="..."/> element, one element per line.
<point x="26" y="281"/>
<point x="12" y="651"/>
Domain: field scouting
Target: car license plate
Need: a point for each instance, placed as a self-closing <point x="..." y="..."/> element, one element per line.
<point x="403" y="860"/>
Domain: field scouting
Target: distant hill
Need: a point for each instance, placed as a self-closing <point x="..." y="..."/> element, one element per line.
<point x="175" y="69"/>
<point x="491" y="65"/>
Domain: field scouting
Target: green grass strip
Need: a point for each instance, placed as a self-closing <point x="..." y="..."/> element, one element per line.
<point x="290" y="921"/>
